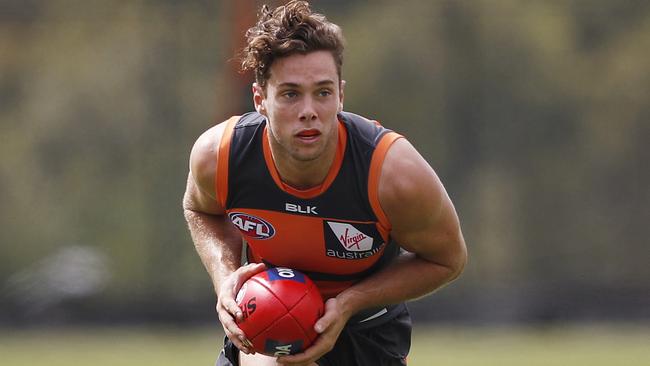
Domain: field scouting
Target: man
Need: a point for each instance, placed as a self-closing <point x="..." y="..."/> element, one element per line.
<point x="330" y="193"/>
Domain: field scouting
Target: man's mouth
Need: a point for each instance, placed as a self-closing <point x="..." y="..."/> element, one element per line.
<point x="308" y="134"/>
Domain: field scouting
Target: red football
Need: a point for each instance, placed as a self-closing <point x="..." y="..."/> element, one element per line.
<point x="280" y="307"/>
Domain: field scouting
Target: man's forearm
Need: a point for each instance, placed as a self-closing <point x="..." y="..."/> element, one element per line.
<point x="217" y="243"/>
<point x="409" y="277"/>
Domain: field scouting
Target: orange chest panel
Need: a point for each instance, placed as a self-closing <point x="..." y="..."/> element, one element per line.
<point x="309" y="242"/>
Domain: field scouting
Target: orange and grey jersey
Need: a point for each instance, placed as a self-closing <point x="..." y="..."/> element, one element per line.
<point x="337" y="233"/>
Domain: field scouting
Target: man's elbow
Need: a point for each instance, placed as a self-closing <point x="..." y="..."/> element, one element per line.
<point x="458" y="259"/>
<point x="190" y="210"/>
<point x="186" y="206"/>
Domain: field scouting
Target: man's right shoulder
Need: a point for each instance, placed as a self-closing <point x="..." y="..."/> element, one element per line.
<point x="205" y="155"/>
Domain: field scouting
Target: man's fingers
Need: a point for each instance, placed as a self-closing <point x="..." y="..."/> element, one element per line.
<point x="228" y="310"/>
<point x="328" y="318"/>
<point x="321" y="325"/>
<point x="229" y="325"/>
<point x="243" y="274"/>
<point x="246" y="342"/>
<point x="250" y="270"/>
<point x="311" y="354"/>
<point x="231" y="307"/>
<point x="321" y="346"/>
<point x="236" y="335"/>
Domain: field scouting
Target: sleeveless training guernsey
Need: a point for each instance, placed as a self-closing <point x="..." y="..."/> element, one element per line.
<point x="336" y="233"/>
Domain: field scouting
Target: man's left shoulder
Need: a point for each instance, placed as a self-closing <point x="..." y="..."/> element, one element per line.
<point x="368" y="130"/>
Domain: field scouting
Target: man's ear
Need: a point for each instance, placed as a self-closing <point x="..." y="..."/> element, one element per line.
<point x="341" y="95"/>
<point x="258" y="99"/>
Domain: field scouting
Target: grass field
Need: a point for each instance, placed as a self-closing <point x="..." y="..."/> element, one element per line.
<point x="440" y="346"/>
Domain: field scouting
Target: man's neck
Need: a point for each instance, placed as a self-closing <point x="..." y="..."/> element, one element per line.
<point x="304" y="174"/>
<point x="300" y="174"/>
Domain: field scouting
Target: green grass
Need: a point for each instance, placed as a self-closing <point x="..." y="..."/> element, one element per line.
<point x="112" y="346"/>
<point x="571" y="346"/>
<point x="435" y="345"/>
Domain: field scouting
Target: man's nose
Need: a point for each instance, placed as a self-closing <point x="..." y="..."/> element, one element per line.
<point x="308" y="113"/>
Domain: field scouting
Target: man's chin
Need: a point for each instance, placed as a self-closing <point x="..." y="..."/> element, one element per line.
<point x="307" y="156"/>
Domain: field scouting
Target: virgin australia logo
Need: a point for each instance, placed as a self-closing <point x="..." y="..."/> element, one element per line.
<point x="350" y="237"/>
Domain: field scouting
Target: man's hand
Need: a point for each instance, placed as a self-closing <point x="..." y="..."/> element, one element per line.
<point x="227" y="309"/>
<point x="329" y="326"/>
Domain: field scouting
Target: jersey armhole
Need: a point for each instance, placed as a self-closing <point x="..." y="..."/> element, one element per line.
<point x="376" y="164"/>
<point x="223" y="157"/>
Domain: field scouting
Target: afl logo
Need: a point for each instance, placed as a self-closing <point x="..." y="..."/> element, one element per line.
<point x="252" y="226"/>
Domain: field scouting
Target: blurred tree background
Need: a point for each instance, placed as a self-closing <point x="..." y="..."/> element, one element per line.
<point x="535" y="114"/>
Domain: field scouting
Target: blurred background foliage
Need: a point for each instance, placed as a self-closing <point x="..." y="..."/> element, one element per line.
<point x="535" y="114"/>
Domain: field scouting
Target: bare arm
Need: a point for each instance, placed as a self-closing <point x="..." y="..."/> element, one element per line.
<point x="424" y="222"/>
<point x="217" y="241"/>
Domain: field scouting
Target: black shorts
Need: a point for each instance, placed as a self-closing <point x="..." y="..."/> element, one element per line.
<point x="381" y="341"/>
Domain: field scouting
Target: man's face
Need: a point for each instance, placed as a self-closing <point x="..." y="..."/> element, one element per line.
<point x="302" y="98"/>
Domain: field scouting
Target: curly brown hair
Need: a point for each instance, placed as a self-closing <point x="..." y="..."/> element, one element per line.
<point x="287" y="30"/>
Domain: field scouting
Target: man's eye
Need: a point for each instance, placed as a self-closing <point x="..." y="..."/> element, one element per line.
<point x="325" y="93"/>
<point x="290" y="95"/>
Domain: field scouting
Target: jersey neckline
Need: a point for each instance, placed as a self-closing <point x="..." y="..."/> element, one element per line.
<point x="313" y="191"/>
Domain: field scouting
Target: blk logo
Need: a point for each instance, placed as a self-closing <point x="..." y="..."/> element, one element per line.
<point x="290" y="207"/>
<point x="252" y="226"/>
